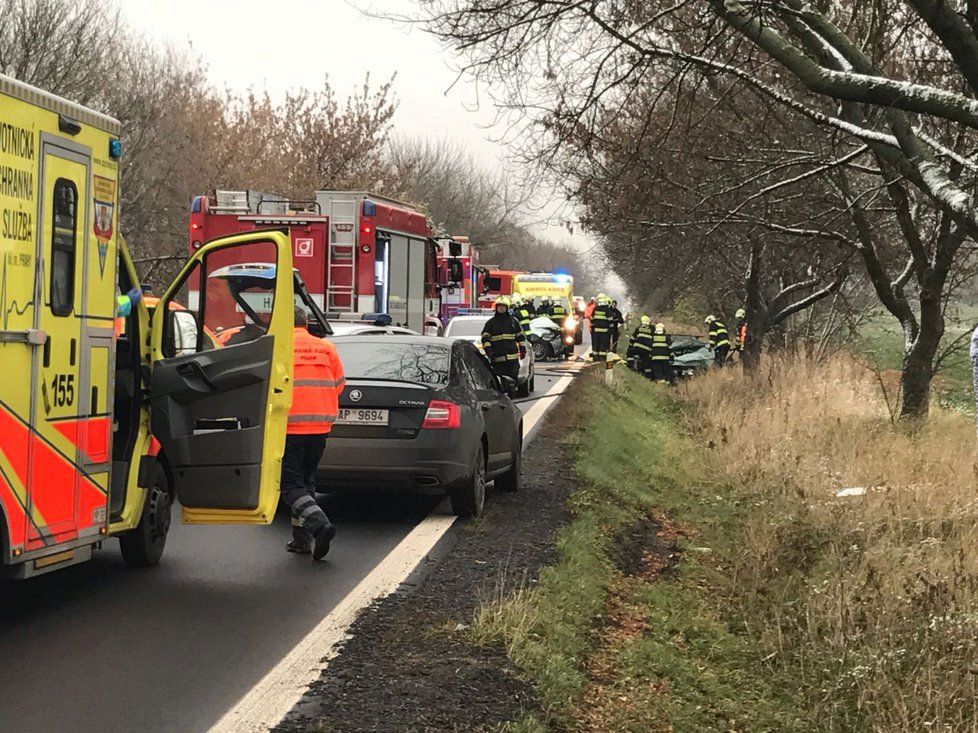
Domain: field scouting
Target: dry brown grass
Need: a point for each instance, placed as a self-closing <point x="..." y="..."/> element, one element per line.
<point x="874" y="597"/>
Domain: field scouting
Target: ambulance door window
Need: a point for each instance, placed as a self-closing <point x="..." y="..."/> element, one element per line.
<point x="63" y="236"/>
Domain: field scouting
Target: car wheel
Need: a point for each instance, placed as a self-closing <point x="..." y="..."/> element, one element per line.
<point x="510" y="481"/>
<point x="469" y="498"/>
<point x="539" y="350"/>
<point x="143" y="546"/>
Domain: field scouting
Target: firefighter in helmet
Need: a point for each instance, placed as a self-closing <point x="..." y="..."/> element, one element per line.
<point x="503" y="341"/>
<point x="660" y="355"/>
<point x="740" y="334"/>
<point x="640" y="346"/>
<point x="719" y="339"/>
<point x="522" y="313"/>
<point x="601" y="328"/>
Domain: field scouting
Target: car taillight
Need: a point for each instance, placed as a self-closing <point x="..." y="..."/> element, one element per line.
<point x="442" y="415"/>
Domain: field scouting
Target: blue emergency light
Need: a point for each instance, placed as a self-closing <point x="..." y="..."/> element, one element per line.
<point x="115" y="149"/>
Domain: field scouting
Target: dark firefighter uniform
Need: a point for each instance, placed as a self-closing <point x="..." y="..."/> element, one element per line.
<point x="601" y="329"/>
<point x="524" y="314"/>
<point x="317" y="380"/>
<point x="720" y="341"/>
<point x="617" y="321"/>
<point x="640" y="347"/>
<point x="504" y="342"/>
<point x="660" y="355"/>
<point x="558" y="313"/>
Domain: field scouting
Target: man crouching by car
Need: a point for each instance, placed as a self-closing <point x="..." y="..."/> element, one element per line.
<point x="503" y="341"/>
<point x="317" y="380"/>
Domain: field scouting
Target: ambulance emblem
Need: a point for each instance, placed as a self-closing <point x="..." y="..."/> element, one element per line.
<point x="104" y="217"/>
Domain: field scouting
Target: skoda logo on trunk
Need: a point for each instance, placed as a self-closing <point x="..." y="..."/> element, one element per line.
<point x="356" y="395"/>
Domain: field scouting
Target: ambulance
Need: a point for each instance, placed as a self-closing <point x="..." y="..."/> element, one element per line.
<point x="107" y="421"/>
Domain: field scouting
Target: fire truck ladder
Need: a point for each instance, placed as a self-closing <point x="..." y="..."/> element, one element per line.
<point x="341" y="264"/>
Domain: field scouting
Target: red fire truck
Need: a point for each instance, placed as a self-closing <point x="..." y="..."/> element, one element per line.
<point x="462" y="279"/>
<point x="358" y="253"/>
<point x="498" y="282"/>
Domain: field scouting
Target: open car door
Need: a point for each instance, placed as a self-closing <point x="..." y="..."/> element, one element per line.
<point x="222" y="377"/>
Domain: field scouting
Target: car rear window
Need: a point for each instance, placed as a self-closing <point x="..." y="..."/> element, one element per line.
<point x="393" y="358"/>
<point x="468" y="327"/>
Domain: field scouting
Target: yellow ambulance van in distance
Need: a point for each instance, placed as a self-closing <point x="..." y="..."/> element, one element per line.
<point x="107" y="420"/>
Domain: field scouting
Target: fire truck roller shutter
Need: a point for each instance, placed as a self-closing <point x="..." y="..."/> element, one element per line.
<point x="417" y="248"/>
<point x="398" y="273"/>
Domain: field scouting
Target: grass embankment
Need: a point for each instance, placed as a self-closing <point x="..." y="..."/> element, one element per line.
<point x="711" y="580"/>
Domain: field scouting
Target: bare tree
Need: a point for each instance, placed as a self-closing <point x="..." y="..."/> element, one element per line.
<point x="895" y="78"/>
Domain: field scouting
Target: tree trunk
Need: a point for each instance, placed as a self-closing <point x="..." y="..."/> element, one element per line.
<point x="751" y="354"/>
<point x="919" y="356"/>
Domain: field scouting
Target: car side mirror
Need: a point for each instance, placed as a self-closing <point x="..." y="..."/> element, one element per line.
<point x="180" y="334"/>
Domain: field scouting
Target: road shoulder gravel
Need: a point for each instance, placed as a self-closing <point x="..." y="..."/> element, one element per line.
<point x="409" y="663"/>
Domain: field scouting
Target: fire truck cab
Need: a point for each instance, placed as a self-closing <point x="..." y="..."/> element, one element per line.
<point x="497" y="283"/>
<point x="462" y="280"/>
<point x="108" y="418"/>
<point x="360" y="254"/>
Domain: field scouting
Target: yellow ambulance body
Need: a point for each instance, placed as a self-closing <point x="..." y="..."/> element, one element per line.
<point x="79" y="381"/>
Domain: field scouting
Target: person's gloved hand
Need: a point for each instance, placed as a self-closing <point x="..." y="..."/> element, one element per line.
<point x="135" y="295"/>
<point x="522" y="352"/>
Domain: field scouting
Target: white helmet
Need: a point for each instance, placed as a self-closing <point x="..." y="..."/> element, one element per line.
<point x="741" y="313"/>
<point x="709" y="319"/>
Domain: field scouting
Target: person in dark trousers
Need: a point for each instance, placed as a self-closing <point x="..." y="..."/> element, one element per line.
<point x="522" y="312"/>
<point x="503" y="341"/>
<point x="660" y="355"/>
<point x="601" y="328"/>
<point x="317" y="380"/>
<point x="640" y="346"/>
<point x="617" y="321"/>
<point x="719" y="340"/>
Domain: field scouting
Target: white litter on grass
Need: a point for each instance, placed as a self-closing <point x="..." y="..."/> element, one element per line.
<point x="851" y="491"/>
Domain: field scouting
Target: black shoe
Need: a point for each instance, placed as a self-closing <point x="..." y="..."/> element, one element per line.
<point x="324" y="536"/>
<point x="300" y="547"/>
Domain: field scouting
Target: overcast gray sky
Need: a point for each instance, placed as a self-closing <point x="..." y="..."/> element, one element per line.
<point x="280" y="44"/>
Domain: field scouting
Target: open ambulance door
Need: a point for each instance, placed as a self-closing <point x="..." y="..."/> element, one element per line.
<point x="222" y="377"/>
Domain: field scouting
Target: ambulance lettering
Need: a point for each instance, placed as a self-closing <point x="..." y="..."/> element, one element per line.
<point x="17" y="225"/>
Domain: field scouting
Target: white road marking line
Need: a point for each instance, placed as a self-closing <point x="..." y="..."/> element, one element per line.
<point x="275" y="694"/>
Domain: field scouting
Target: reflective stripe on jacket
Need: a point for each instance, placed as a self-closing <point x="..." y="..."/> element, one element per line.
<point x="600" y="319"/>
<point x="317" y="380"/>
<point x="524" y="315"/>
<point x="718" y="334"/>
<point x="502" y="337"/>
<point x="661" y="343"/>
<point x="642" y="339"/>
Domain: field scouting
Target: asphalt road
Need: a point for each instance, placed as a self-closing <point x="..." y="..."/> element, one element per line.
<point x="102" y="647"/>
